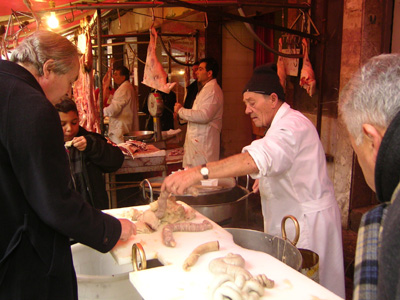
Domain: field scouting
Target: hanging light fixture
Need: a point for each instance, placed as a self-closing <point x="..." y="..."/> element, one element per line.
<point x="52" y="20"/>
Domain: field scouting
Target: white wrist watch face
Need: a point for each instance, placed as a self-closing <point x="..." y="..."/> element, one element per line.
<point x="204" y="171"/>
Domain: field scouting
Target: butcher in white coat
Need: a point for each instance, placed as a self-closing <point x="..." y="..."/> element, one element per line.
<point x="290" y="163"/>
<point x="123" y="109"/>
<point x="202" y="142"/>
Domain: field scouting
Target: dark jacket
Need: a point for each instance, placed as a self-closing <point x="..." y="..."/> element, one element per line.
<point x="387" y="178"/>
<point x="191" y="93"/>
<point x="88" y="167"/>
<point x="38" y="211"/>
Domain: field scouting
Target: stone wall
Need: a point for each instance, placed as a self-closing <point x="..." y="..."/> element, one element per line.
<point x="361" y="39"/>
<point x="237" y="68"/>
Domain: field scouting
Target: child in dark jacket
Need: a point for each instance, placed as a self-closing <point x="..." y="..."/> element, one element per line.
<point x="90" y="155"/>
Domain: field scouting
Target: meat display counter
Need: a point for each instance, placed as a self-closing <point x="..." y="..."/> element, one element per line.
<point x="171" y="281"/>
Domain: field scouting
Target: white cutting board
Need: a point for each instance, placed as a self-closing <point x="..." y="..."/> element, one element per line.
<point x="172" y="282"/>
<point x="153" y="246"/>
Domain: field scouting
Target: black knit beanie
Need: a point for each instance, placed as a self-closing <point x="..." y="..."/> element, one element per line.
<point x="265" y="80"/>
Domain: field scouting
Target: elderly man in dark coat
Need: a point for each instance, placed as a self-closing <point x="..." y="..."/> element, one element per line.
<point x="38" y="211"/>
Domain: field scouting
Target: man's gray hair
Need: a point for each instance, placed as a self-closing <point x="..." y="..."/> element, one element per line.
<point x="43" y="45"/>
<point x="372" y="95"/>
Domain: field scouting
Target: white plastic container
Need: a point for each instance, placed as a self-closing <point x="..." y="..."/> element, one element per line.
<point x="100" y="277"/>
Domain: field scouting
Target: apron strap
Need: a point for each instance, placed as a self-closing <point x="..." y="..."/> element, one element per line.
<point x="317" y="205"/>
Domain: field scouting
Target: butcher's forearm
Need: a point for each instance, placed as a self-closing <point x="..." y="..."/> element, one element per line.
<point x="112" y="110"/>
<point x="201" y="116"/>
<point x="236" y="165"/>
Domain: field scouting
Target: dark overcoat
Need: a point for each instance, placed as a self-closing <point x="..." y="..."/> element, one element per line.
<point x="38" y="212"/>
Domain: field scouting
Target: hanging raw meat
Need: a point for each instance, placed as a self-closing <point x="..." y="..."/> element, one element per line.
<point x="154" y="74"/>
<point x="88" y="108"/>
<point x="88" y="56"/>
<point x="307" y="77"/>
<point x="281" y="67"/>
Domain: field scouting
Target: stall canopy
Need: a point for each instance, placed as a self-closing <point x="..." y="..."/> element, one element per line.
<point x="19" y="18"/>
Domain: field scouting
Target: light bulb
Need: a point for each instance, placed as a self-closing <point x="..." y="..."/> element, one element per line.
<point x="52" y="21"/>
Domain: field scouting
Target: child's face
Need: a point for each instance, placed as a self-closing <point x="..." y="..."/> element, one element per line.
<point x="70" y="124"/>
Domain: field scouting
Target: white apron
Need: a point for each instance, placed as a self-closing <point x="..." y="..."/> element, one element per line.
<point x="202" y="141"/>
<point x="294" y="181"/>
<point x="123" y="112"/>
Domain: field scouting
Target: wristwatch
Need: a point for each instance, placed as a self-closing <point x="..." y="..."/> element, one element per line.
<point x="204" y="171"/>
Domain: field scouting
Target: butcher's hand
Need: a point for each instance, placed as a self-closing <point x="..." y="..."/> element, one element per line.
<point x="256" y="185"/>
<point x="128" y="229"/>
<point x="178" y="182"/>
<point x="79" y="142"/>
<point x="177" y="107"/>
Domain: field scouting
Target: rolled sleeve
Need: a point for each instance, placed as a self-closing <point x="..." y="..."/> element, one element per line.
<point x="273" y="154"/>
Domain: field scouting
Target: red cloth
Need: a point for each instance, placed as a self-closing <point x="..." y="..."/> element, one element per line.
<point x="96" y="94"/>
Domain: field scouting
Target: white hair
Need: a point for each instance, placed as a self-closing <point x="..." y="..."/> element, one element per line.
<point x="372" y="95"/>
<point x="43" y="45"/>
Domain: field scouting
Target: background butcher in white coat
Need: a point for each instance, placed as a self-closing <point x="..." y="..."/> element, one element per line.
<point x="203" y="135"/>
<point x="123" y="109"/>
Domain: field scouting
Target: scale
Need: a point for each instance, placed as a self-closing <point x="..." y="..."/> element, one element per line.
<point x="155" y="105"/>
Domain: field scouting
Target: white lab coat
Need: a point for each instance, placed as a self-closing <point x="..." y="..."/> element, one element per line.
<point x="294" y="181"/>
<point x="123" y="112"/>
<point x="203" y="133"/>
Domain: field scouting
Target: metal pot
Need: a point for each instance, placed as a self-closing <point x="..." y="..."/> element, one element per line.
<point x="259" y="241"/>
<point x="226" y="204"/>
<point x="310" y="265"/>
<point x="138" y="135"/>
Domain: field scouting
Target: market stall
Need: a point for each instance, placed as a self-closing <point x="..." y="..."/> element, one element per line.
<point x="168" y="279"/>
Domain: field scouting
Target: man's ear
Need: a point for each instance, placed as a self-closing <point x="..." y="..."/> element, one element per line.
<point x="374" y="136"/>
<point x="48" y="66"/>
<point x="274" y="99"/>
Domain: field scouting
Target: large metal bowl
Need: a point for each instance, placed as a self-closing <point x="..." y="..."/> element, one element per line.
<point x="275" y="246"/>
<point x="139" y="135"/>
<point x="224" y="185"/>
<point x="226" y="205"/>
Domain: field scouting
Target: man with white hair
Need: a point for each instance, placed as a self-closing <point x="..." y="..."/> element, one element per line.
<point x="38" y="210"/>
<point x="369" y="106"/>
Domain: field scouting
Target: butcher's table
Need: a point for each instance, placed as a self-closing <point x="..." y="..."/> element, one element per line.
<point x="152" y="161"/>
<point x="170" y="281"/>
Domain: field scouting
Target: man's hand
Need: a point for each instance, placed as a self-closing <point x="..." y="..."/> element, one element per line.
<point x="79" y="143"/>
<point x="178" y="182"/>
<point x="256" y="185"/>
<point x="128" y="229"/>
<point x="177" y="107"/>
